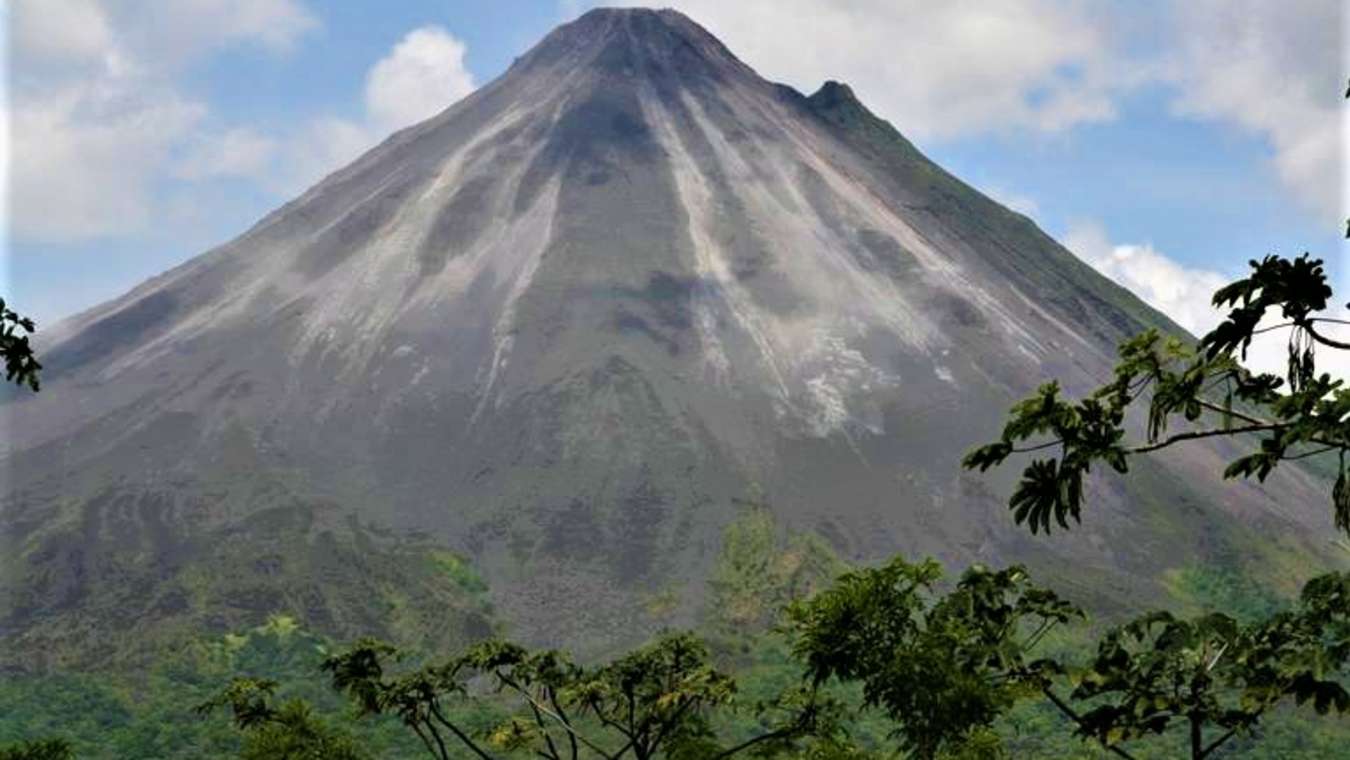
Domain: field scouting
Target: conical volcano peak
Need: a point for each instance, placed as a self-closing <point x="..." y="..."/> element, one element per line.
<point x="634" y="41"/>
<point x="560" y="329"/>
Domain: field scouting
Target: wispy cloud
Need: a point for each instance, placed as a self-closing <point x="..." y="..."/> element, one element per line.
<point x="99" y="121"/>
<point x="1181" y="292"/>
<point x="237" y="152"/>
<point x="1275" y="69"/>
<point x="95" y="115"/>
<point x="423" y="74"/>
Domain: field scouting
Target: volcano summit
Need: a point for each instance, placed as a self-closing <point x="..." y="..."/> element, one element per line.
<point x="555" y="331"/>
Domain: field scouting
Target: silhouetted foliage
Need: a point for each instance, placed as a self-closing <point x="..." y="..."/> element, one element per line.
<point x="21" y="366"/>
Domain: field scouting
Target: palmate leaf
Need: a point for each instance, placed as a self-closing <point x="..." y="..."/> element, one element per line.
<point x="1047" y="490"/>
<point x="987" y="456"/>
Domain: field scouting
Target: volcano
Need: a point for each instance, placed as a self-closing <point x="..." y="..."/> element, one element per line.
<point x="549" y="337"/>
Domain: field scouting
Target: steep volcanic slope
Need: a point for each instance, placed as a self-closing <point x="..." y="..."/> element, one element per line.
<point x="557" y="329"/>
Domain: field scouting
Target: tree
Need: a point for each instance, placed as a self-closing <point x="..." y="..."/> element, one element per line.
<point x="942" y="667"/>
<point x="945" y="667"/>
<point x="1214" y="676"/>
<point x="21" y="366"/>
<point x="288" y="732"/>
<point x="655" y="701"/>
<point x="760" y="569"/>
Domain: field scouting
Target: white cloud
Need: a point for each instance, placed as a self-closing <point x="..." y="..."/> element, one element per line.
<point x="1276" y="69"/>
<point x="95" y="117"/>
<point x="937" y="69"/>
<point x="164" y="33"/>
<point x="238" y="152"/>
<point x="4" y="154"/>
<point x="62" y="31"/>
<point x="98" y="120"/>
<point x="1182" y="293"/>
<point x="86" y="154"/>
<point x="422" y="75"/>
<point x="182" y="30"/>
<point x="273" y="23"/>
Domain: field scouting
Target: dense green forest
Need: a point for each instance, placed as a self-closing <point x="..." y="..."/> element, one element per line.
<point x="762" y="568"/>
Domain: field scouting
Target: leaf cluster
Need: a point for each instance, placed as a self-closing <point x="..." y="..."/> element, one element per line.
<point x="1215" y="675"/>
<point x="21" y="365"/>
<point x="1186" y="393"/>
<point x="653" y="701"/>
<point x="289" y="731"/>
<point x="969" y="649"/>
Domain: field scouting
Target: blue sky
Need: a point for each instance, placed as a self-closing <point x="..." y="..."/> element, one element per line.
<point x="1165" y="141"/>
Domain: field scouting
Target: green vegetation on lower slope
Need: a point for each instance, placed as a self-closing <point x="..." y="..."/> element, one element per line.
<point x="344" y="578"/>
<point x="762" y="567"/>
<point x="149" y="714"/>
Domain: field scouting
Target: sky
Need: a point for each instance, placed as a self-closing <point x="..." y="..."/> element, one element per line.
<point x="1166" y="142"/>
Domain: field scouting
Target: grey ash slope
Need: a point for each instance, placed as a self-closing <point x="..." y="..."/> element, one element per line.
<point x="558" y="328"/>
